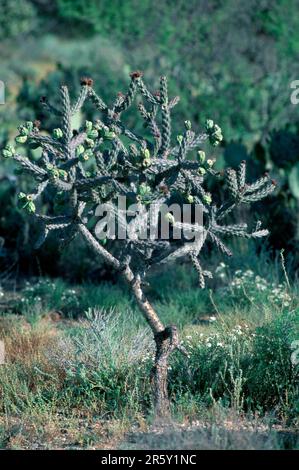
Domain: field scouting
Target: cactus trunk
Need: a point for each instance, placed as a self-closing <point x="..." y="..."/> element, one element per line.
<point x="166" y="341"/>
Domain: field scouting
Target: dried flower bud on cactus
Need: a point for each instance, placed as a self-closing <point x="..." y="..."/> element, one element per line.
<point x="136" y="75"/>
<point x="36" y="124"/>
<point x="86" y="81"/>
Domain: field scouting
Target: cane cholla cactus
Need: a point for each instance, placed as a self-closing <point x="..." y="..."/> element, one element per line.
<point x="104" y="159"/>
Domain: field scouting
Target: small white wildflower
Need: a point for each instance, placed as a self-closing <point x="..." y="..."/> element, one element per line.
<point x="249" y="273"/>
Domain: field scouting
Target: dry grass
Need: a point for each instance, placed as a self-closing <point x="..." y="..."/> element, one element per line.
<point x="25" y="342"/>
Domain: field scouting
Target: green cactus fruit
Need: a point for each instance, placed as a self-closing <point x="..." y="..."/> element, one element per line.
<point x="169" y="218"/>
<point x="52" y="170"/>
<point x="145" y="153"/>
<point x="8" y="151"/>
<point x="293" y="179"/>
<point x="201" y="170"/>
<point x="207" y="198"/>
<point x="30" y="207"/>
<point x="214" y="131"/>
<point x="201" y="156"/>
<point x="109" y="135"/>
<point x="29" y="125"/>
<point x="26" y="200"/>
<point x="217" y="132"/>
<point x="188" y="125"/>
<point x="144" y="190"/>
<point x="22" y="196"/>
<point x="89" y="143"/>
<point x="179" y="139"/>
<point x="210" y="162"/>
<point x="88" y="125"/>
<point x="190" y="199"/>
<point x="57" y="133"/>
<point x="26" y="128"/>
<point x="23" y="130"/>
<point x="209" y="124"/>
<point x="216" y="135"/>
<point x="92" y="134"/>
<point x="21" y="139"/>
<point x="80" y="150"/>
<point x="62" y="174"/>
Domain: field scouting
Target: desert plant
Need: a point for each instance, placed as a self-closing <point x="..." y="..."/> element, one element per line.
<point x="96" y="164"/>
<point x="17" y="18"/>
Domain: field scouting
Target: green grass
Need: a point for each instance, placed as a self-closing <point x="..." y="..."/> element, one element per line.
<point x="81" y="356"/>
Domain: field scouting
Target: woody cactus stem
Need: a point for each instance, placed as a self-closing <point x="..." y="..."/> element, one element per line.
<point x="166" y="342"/>
<point x="166" y="339"/>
